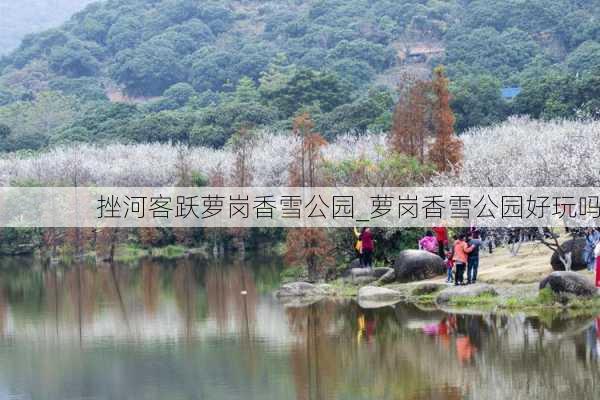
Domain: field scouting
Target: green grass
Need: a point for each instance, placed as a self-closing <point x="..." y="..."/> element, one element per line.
<point x="344" y="289"/>
<point x="546" y="296"/>
<point x="292" y="273"/>
<point x="130" y="252"/>
<point x="485" y="299"/>
<point x="427" y="299"/>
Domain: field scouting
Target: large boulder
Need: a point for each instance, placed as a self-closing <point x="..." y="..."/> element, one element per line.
<point x="375" y="297"/>
<point x="455" y="292"/>
<point x="412" y="265"/>
<point x="567" y="282"/>
<point x="300" y="289"/>
<point x="575" y="247"/>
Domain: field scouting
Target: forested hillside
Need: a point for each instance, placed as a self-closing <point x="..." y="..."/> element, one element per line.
<point x="195" y="71"/>
<point x="19" y="18"/>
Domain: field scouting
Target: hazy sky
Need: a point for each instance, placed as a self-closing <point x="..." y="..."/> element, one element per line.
<point x="20" y="17"/>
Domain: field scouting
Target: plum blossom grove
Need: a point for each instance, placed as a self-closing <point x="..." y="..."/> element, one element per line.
<point x="525" y="152"/>
<point x="156" y="164"/>
<point x="518" y="152"/>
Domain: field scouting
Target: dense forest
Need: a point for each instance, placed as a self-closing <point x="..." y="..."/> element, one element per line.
<point x="195" y="71"/>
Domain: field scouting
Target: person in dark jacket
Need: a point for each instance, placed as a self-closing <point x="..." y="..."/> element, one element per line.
<point x="473" y="257"/>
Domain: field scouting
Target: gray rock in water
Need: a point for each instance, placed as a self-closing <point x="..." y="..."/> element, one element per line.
<point x="453" y="292"/>
<point x="428" y="288"/>
<point x="326" y="288"/>
<point x="412" y="265"/>
<point x="567" y="282"/>
<point x="386" y="275"/>
<point x="575" y="247"/>
<point x="375" y="297"/>
<point x="300" y="289"/>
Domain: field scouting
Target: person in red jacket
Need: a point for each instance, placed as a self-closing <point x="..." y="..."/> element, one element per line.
<point x="441" y="234"/>
<point x="366" y="237"/>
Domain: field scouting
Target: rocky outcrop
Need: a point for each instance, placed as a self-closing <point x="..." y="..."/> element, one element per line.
<point x="367" y="275"/>
<point x="454" y="292"/>
<point x="385" y="275"/>
<point x="412" y="265"/>
<point x="567" y="282"/>
<point x="300" y="289"/>
<point x="575" y="247"/>
<point x="356" y="272"/>
<point x="375" y="297"/>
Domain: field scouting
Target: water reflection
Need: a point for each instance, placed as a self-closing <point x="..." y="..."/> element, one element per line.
<point x="210" y="329"/>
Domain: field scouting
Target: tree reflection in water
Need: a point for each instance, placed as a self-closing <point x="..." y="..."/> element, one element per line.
<point x="198" y="328"/>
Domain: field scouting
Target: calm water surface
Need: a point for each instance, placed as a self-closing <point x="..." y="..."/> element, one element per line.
<point x="184" y="330"/>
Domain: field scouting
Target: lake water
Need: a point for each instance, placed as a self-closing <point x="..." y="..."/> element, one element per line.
<point x="184" y="330"/>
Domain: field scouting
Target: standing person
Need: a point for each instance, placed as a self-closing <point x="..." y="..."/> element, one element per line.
<point x="592" y="238"/>
<point x="449" y="266"/>
<point x="441" y="235"/>
<point x="429" y="243"/>
<point x="366" y="237"/>
<point x="473" y="257"/>
<point x="597" y="254"/>
<point x="358" y="247"/>
<point x="460" y="251"/>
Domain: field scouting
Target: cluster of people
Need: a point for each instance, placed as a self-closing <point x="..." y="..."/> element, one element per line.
<point x="461" y="257"/>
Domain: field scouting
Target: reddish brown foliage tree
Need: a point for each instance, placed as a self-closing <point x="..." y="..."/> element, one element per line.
<point x="410" y="124"/>
<point x="303" y="171"/>
<point x="446" y="152"/>
<point x="149" y="236"/>
<point x="308" y="246"/>
<point x="107" y="240"/>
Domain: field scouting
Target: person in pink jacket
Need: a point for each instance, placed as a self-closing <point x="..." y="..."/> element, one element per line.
<point x="429" y="243"/>
<point x="460" y="253"/>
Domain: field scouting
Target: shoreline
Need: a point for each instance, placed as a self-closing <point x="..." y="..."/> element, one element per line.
<point x="510" y="299"/>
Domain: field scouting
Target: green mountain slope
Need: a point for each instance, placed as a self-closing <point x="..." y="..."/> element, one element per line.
<point x="143" y="70"/>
